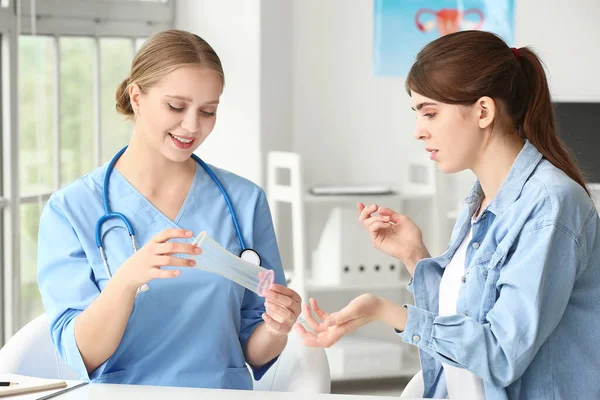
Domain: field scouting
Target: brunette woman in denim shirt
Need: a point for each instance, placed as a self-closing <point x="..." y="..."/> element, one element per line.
<point x="511" y="310"/>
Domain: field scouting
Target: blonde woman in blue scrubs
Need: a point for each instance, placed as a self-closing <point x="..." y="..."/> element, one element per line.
<point x="186" y="327"/>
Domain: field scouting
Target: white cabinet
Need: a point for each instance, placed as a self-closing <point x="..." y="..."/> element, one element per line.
<point x="343" y="265"/>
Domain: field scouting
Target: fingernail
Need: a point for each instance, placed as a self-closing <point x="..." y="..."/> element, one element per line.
<point x="192" y="263"/>
<point x="197" y="250"/>
<point x="188" y="233"/>
<point x="176" y="272"/>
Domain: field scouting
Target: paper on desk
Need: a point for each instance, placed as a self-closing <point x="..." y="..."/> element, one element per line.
<point x="33" y="387"/>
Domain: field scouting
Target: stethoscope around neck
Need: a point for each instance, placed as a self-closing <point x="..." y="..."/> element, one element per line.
<point x="246" y="254"/>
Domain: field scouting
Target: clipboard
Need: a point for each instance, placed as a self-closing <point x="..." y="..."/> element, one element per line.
<point x="58" y="393"/>
<point x="28" y="384"/>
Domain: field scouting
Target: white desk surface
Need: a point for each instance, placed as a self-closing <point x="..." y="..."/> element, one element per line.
<point x="99" y="391"/>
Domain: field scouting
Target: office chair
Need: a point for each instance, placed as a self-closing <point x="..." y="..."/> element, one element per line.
<point x="415" y="387"/>
<point x="298" y="369"/>
<point x="30" y="352"/>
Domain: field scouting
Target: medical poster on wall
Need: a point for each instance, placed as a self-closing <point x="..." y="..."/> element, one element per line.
<point x="403" y="27"/>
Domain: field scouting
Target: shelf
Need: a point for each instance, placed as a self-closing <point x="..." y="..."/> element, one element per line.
<point x="366" y="199"/>
<point x="313" y="286"/>
<point x="355" y="357"/>
<point x="418" y="194"/>
<point x="452" y="214"/>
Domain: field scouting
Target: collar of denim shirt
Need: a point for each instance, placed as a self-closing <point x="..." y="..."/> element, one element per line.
<point x="527" y="160"/>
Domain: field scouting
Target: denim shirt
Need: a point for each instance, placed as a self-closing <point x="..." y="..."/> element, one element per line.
<point x="528" y="312"/>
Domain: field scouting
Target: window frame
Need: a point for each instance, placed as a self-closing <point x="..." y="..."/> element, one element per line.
<point x="56" y="18"/>
<point x="100" y="18"/>
<point x="9" y="263"/>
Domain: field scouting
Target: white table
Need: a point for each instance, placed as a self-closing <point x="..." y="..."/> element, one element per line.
<point x="100" y="391"/>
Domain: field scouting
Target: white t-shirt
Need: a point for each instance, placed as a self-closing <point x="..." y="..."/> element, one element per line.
<point x="461" y="383"/>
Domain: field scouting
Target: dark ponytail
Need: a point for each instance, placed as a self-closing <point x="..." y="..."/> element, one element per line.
<point x="539" y="122"/>
<point x="462" y="67"/>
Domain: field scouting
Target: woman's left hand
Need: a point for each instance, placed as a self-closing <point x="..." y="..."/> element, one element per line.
<point x="283" y="308"/>
<point x="358" y="312"/>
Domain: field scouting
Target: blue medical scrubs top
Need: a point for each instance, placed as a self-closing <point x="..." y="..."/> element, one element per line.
<point x="190" y="330"/>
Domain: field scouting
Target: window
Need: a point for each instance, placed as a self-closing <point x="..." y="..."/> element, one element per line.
<point x="86" y="72"/>
<point x="76" y="107"/>
<point x="8" y="134"/>
<point x="70" y="63"/>
<point x="30" y="305"/>
<point x="37" y="88"/>
<point x="4" y="97"/>
<point x="115" y="62"/>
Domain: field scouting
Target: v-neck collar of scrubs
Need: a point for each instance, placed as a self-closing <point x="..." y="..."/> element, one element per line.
<point x="137" y="202"/>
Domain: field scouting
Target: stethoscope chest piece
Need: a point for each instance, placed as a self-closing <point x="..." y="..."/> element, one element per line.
<point x="251" y="256"/>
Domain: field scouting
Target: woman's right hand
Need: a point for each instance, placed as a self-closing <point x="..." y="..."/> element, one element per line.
<point x="145" y="264"/>
<point x="394" y="234"/>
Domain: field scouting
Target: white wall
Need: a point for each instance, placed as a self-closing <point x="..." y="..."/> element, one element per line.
<point x="253" y="39"/>
<point x="299" y="76"/>
<point x="275" y="76"/>
<point x="232" y="28"/>
<point x="351" y="126"/>
<point x="276" y="99"/>
<point x="567" y="37"/>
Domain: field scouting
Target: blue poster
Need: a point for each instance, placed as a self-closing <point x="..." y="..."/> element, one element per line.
<point x="403" y="27"/>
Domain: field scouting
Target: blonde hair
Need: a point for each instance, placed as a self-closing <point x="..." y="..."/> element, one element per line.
<point x="160" y="55"/>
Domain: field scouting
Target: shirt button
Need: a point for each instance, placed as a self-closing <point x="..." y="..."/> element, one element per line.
<point x="416" y="338"/>
<point x="475" y="245"/>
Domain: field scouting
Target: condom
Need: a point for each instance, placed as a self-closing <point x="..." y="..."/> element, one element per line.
<point x="215" y="259"/>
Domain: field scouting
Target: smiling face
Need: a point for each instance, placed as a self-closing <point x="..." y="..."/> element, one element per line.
<point x="179" y="112"/>
<point x="454" y="135"/>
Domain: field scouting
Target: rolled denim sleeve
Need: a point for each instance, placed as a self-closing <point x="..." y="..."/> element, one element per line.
<point x="534" y="286"/>
<point x="410" y="287"/>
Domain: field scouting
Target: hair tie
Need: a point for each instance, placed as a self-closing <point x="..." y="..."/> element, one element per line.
<point x="516" y="52"/>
